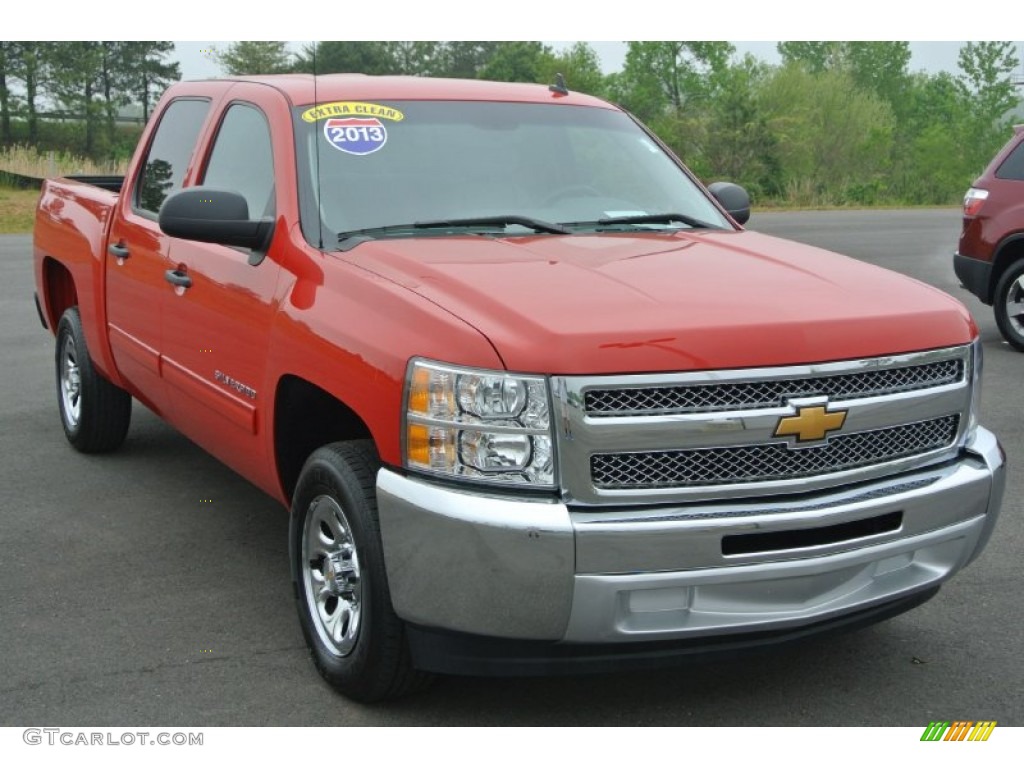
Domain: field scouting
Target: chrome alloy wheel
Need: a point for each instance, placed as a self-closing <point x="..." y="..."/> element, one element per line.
<point x="330" y="570"/>
<point x="1015" y="305"/>
<point x="70" y="382"/>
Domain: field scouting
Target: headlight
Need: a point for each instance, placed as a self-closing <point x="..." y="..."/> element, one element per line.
<point x="487" y="426"/>
<point x="975" y="414"/>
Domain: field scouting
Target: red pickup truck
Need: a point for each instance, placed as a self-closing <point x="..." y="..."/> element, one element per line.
<point x="535" y="399"/>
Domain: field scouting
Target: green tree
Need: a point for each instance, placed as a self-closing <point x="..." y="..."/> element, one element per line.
<point x="518" y="62"/>
<point x="255" y="57"/>
<point x="7" y="53"/>
<point x="465" y="58"/>
<point x="986" y="82"/>
<point x="987" y="69"/>
<point x="939" y="169"/>
<point x="670" y="75"/>
<point x="815" y="56"/>
<point x="581" y="68"/>
<point x="877" y="66"/>
<point x="729" y="138"/>
<point x="30" y="64"/>
<point x="417" y="57"/>
<point x="113" y="84"/>
<point x="147" y="70"/>
<point x="833" y="139"/>
<point x="935" y="98"/>
<point x="929" y="160"/>
<point x="77" y="68"/>
<point x="365" y="57"/>
<point x="94" y="79"/>
<point x="880" y="67"/>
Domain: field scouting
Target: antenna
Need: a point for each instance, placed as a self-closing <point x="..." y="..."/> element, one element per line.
<point x="316" y="145"/>
<point x="559" y="88"/>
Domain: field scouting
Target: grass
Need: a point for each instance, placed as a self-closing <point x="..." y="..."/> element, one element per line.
<point x="784" y="207"/>
<point x="17" y="206"/>
<point x="26" y="161"/>
<point x="17" y="210"/>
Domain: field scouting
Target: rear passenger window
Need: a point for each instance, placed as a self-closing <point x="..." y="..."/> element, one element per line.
<point x="1013" y="166"/>
<point x="242" y="160"/>
<point x="170" y="152"/>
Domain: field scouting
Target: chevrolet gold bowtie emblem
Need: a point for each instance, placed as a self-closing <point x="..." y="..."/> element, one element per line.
<point x="810" y="423"/>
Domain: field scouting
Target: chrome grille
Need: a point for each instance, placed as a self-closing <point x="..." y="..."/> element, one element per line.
<point x="726" y="396"/>
<point x="770" y="462"/>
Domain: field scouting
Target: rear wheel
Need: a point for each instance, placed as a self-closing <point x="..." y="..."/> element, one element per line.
<point x="356" y="640"/>
<point x="1009" y="305"/>
<point x="95" y="413"/>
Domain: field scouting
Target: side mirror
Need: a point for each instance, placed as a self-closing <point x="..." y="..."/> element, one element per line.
<point x="214" y="216"/>
<point x="733" y="198"/>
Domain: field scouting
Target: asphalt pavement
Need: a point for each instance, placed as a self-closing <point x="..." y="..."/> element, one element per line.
<point x="125" y="599"/>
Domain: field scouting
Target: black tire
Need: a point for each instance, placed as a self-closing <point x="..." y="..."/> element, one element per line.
<point x="1010" y="289"/>
<point x="95" y="414"/>
<point x="357" y="642"/>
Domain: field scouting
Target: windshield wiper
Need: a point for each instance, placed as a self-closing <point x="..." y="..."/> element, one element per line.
<point x="353" y="237"/>
<point x="537" y="225"/>
<point x="350" y="239"/>
<point x="646" y="218"/>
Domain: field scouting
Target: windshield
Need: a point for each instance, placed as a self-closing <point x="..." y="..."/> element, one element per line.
<point x="518" y="168"/>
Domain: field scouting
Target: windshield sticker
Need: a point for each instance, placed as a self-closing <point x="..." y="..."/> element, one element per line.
<point x="351" y="109"/>
<point x="356" y="135"/>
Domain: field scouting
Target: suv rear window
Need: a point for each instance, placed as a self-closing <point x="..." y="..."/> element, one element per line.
<point x="1013" y="166"/>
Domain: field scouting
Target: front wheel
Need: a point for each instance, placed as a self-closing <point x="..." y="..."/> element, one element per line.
<point x="1009" y="305"/>
<point x="95" y="413"/>
<point x="356" y="640"/>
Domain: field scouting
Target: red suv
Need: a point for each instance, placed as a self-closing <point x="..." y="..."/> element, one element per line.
<point x="990" y="259"/>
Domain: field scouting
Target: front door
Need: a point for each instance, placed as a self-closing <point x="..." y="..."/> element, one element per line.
<point x="217" y="322"/>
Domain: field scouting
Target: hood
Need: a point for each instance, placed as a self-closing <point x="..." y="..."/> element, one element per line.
<point x="617" y="303"/>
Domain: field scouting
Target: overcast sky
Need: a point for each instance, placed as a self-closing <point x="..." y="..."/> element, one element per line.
<point x="196" y="61"/>
<point x="526" y="20"/>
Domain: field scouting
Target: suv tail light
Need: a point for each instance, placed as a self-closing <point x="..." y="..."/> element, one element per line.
<point x="973" y="200"/>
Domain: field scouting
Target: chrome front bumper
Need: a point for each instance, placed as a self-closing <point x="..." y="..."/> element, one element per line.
<point x="533" y="569"/>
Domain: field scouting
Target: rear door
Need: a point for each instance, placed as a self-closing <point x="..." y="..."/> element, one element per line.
<point x="217" y="329"/>
<point x="138" y="252"/>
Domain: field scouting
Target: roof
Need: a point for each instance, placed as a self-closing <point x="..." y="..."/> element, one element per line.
<point x="299" y="89"/>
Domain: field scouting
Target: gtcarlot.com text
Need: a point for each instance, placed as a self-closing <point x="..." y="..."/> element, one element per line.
<point x="72" y="738"/>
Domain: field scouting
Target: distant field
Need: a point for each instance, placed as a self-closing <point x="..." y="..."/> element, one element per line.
<point x="17" y="207"/>
<point x="25" y="161"/>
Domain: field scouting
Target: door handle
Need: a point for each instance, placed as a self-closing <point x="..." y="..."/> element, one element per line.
<point x="118" y="251"/>
<point x="178" y="278"/>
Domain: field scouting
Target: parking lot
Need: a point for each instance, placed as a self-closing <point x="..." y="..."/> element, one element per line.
<point x="125" y="599"/>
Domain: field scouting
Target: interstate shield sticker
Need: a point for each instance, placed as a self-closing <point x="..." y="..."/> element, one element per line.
<point x="356" y="135"/>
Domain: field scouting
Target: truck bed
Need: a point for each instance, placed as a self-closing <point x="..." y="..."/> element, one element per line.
<point x="72" y="223"/>
<point x="109" y="183"/>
